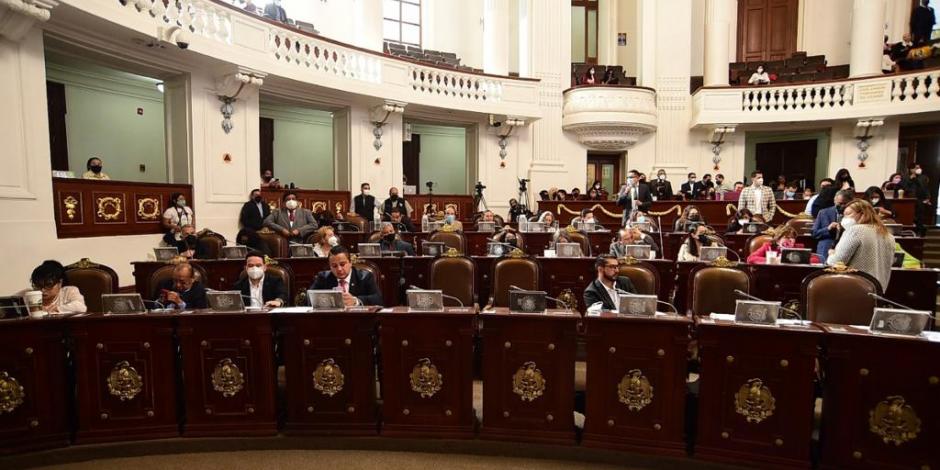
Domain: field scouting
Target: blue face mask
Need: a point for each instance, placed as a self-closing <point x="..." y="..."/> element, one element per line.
<point x="449" y="218"/>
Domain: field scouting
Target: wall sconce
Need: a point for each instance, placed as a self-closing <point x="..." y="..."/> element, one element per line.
<point x="380" y="115"/>
<point x="510" y="124"/>
<point x="864" y="131"/>
<point x="717" y="138"/>
<point x="229" y="88"/>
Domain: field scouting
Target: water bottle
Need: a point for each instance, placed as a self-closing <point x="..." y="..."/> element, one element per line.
<point x="521" y="222"/>
<point x="424" y="223"/>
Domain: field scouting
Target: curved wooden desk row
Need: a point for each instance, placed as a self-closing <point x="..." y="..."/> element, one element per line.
<point x="397" y="373"/>
<point x="560" y="277"/>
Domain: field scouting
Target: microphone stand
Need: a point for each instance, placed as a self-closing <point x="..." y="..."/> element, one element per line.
<point x="558" y="301"/>
<point x="674" y="309"/>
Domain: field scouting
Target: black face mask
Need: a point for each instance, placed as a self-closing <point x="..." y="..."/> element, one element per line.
<point x="191" y="240"/>
<point x="266" y="178"/>
<point x="511" y="242"/>
<point x="95" y="169"/>
<point x="694" y="216"/>
<point x="703" y="238"/>
<point x="257" y="199"/>
<point x="389" y="237"/>
<point x="393" y="196"/>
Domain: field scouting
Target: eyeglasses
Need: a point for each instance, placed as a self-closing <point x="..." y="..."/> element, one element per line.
<point x="45" y="285"/>
<point x="611" y="266"/>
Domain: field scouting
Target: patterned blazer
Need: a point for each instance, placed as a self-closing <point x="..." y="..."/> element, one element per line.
<point x="766" y="205"/>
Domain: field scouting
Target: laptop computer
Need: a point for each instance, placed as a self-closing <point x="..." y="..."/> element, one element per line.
<point x="13" y="307"/>
<point x="165" y="253"/>
<point x="298" y="250"/>
<point x="795" y="255"/>
<point x="226" y="301"/>
<point x="234" y="252"/>
<point x="568" y="250"/>
<point x="369" y="249"/>
<point x="711" y="253"/>
<point x="122" y="304"/>
<point x="432" y="248"/>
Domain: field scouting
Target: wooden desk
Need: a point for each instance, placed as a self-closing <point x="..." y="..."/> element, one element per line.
<point x="427" y="372"/>
<point x="33" y="375"/>
<point x="126" y="377"/>
<point x="738" y="243"/>
<point x="330" y="371"/>
<point x="636" y="369"/>
<point x="528" y="369"/>
<point x="866" y="375"/>
<point x="756" y="393"/>
<point x="228" y="373"/>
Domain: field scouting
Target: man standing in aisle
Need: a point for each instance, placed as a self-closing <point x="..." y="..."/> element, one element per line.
<point x="757" y="198"/>
<point x="634" y="196"/>
<point x="364" y="203"/>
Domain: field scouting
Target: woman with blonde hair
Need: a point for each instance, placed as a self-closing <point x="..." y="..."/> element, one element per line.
<point x="866" y="244"/>
<point x="324" y="240"/>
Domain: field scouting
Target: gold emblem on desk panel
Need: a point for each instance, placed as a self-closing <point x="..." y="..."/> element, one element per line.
<point x="894" y="421"/>
<point x="148" y="208"/>
<point x="227" y="378"/>
<point x="635" y="390"/>
<point x="452" y="253"/>
<point x="11" y="393"/>
<point x="109" y="208"/>
<point x="568" y="297"/>
<point x="71" y="204"/>
<point x="754" y="401"/>
<point x="723" y="262"/>
<point x="328" y="378"/>
<point x="528" y="382"/>
<point x="124" y="381"/>
<point x="517" y="253"/>
<point x="425" y="379"/>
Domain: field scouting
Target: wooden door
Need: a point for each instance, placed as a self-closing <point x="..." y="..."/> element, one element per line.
<point x="411" y="162"/>
<point x="796" y="160"/>
<point x="266" y="133"/>
<point x="766" y="29"/>
<point x="603" y="168"/>
<point x="58" y="135"/>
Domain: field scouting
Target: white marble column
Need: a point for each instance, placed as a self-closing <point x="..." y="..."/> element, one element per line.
<point x="717" y="31"/>
<point x="496" y="37"/>
<point x="868" y="19"/>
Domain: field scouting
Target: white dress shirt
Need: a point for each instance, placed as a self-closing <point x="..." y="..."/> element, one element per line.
<point x="759" y="197"/>
<point x="257" y="296"/>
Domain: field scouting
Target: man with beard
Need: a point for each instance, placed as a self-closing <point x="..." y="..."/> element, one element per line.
<point x="606" y="288"/>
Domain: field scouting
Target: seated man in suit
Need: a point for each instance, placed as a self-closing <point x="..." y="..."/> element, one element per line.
<point x="254" y="211"/>
<point x="358" y="286"/>
<point x="402" y="223"/>
<point x="450" y="218"/>
<point x="391" y="242"/>
<point x="292" y="221"/>
<point x="605" y="289"/>
<point x="183" y="291"/>
<point x="258" y="289"/>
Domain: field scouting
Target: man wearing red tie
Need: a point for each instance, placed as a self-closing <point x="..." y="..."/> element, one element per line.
<point x="291" y="221"/>
<point x="358" y="285"/>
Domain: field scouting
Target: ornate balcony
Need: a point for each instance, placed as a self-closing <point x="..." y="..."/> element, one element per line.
<point x="882" y="96"/>
<point x="609" y="117"/>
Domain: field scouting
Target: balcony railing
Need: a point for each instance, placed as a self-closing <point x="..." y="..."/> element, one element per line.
<point x="609" y="117"/>
<point x="887" y="95"/>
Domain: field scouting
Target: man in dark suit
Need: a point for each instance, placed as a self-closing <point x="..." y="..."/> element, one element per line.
<point x="259" y="289"/>
<point x="364" y="203"/>
<point x="183" y="291"/>
<point x="661" y="187"/>
<point x="922" y="21"/>
<point x="254" y="211"/>
<point x="358" y="286"/>
<point x="402" y="223"/>
<point x="604" y="289"/>
<point x="391" y="242"/>
<point x="394" y="201"/>
<point x="275" y="11"/>
<point x="692" y="189"/>
<point x="634" y="196"/>
<point x="293" y="222"/>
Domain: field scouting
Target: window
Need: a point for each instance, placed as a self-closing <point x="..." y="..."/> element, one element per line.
<point x="584" y="31"/>
<point x="402" y="21"/>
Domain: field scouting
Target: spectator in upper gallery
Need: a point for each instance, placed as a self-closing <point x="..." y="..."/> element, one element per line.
<point x="843" y="180"/>
<point x="364" y="203"/>
<point x="780" y="186"/>
<point x="661" y="187"/>
<point x="254" y="211"/>
<point x="807" y="193"/>
<point x="50" y="279"/>
<point x="922" y="21"/>
<point x="275" y="11"/>
<point x="720" y="186"/>
<point x="177" y="215"/>
<point x="692" y="188"/>
<point x="759" y="77"/>
<point x="592" y="195"/>
<point x="827" y="226"/>
<point x="251" y="239"/>
<point x="575" y="194"/>
<point x="590" y="77"/>
<point x="899" y="54"/>
<point x="250" y="7"/>
<point x="738" y="186"/>
<point x="561" y="195"/>
<point x="93" y="167"/>
<point x="823" y="184"/>
<point x="887" y="63"/>
<point x="292" y="221"/>
<point x="759" y="199"/>
<point x="402" y="223"/>
<point x="609" y="77"/>
<point x="543" y="195"/>
<point x="894" y="185"/>
<point x="708" y="185"/>
<point x="598" y="187"/>
<point x="792" y="192"/>
<point x="269" y="181"/>
<point x="879" y="202"/>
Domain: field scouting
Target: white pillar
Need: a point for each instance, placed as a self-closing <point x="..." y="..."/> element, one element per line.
<point x="868" y="19"/>
<point x="717" y="31"/>
<point x="496" y="37"/>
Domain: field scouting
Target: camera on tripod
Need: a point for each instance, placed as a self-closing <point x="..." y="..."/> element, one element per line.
<point x="429" y="184"/>
<point x="522" y="184"/>
<point x="479" y="187"/>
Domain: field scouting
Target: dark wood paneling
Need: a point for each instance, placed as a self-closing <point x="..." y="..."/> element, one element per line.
<point x="93" y="208"/>
<point x="337" y="202"/>
<point x="766" y="29"/>
<point x="463" y="204"/>
<point x="794" y="160"/>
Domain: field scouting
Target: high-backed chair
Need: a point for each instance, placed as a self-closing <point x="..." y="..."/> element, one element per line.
<point x="211" y="244"/>
<point x="450" y="239"/>
<point x="839" y="295"/>
<point x="802" y="223"/>
<point x="352" y="220"/>
<point x="166" y="272"/>
<point x="276" y="243"/>
<point x="375" y="237"/>
<point x="712" y="286"/>
<point x="282" y="271"/>
<point x="755" y="242"/>
<point x="455" y="275"/>
<point x="92" y="280"/>
<point x="644" y="276"/>
<point x="516" y="270"/>
<point x="581" y="239"/>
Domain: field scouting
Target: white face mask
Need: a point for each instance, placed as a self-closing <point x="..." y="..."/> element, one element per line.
<point x="365" y="192"/>
<point x="743" y="221"/>
<point x="875" y="200"/>
<point x="661" y="177"/>
<point x="641" y="219"/>
<point x="847" y="222"/>
<point x="255" y="273"/>
<point x="333" y="241"/>
<point x="918" y="171"/>
<point x="291" y="204"/>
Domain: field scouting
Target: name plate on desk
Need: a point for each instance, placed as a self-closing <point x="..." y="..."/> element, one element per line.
<point x="527" y="301"/>
<point x="638" y="251"/>
<point x="325" y="299"/>
<point x="225" y="301"/>
<point x="752" y="311"/>
<point x="637" y="305"/>
<point x="894" y="321"/>
<point x="425" y="300"/>
<point x="122" y="304"/>
<point x="568" y="250"/>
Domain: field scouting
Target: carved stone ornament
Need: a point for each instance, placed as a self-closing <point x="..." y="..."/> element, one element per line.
<point x="754" y="401"/>
<point x="894" y="421"/>
<point x="635" y="390"/>
<point x="18" y="16"/>
<point x="227" y="378"/>
<point x="425" y="378"/>
<point x="528" y="382"/>
<point x="148" y="208"/>
<point x="124" y="382"/>
<point x="328" y="378"/>
<point x="71" y="204"/>
<point x="109" y="208"/>
<point x="11" y="393"/>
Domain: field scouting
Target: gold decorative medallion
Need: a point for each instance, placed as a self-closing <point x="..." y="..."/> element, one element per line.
<point x="83" y="263"/>
<point x="723" y="262"/>
<point x="71" y="204"/>
<point x="452" y="253"/>
<point x="517" y="253"/>
<point x="148" y="208"/>
<point x="425" y="379"/>
<point x="840" y="268"/>
<point x="328" y="378"/>
<point x="568" y="297"/>
<point x="635" y="390"/>
<point x="319" y="205"/>
<point x="894" y="421"/>
<point x="227" y="378"/>
<point x="528" y="382"/>
<point x="272" y="204"/>
<point x="11" y="393"/>
<point x="124" y="382"/>
<point x="628" y="260"/>
<point x="448" y="228"/>
<point x="109" y="208"/>
<point x="754" y="401"/>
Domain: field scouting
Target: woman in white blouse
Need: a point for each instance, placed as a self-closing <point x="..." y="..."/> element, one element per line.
<point x="49" y="278"/>
<point x="692" y="246"/>
<point x="177" y="215"/>
<point x="760" y="77"/>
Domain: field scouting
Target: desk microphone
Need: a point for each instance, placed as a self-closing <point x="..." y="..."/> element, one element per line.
<point x="412" y="286"/>
<point x="888" y="301"/>
<point x="162" y="307"/>
<point x="503" y="244"/>
<point x="662" y="246"/>
<point x="251" y="301"/>
<point x="673" y="307"/>
<point x="557" y="301"/>
<point x="749" y="296"/>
